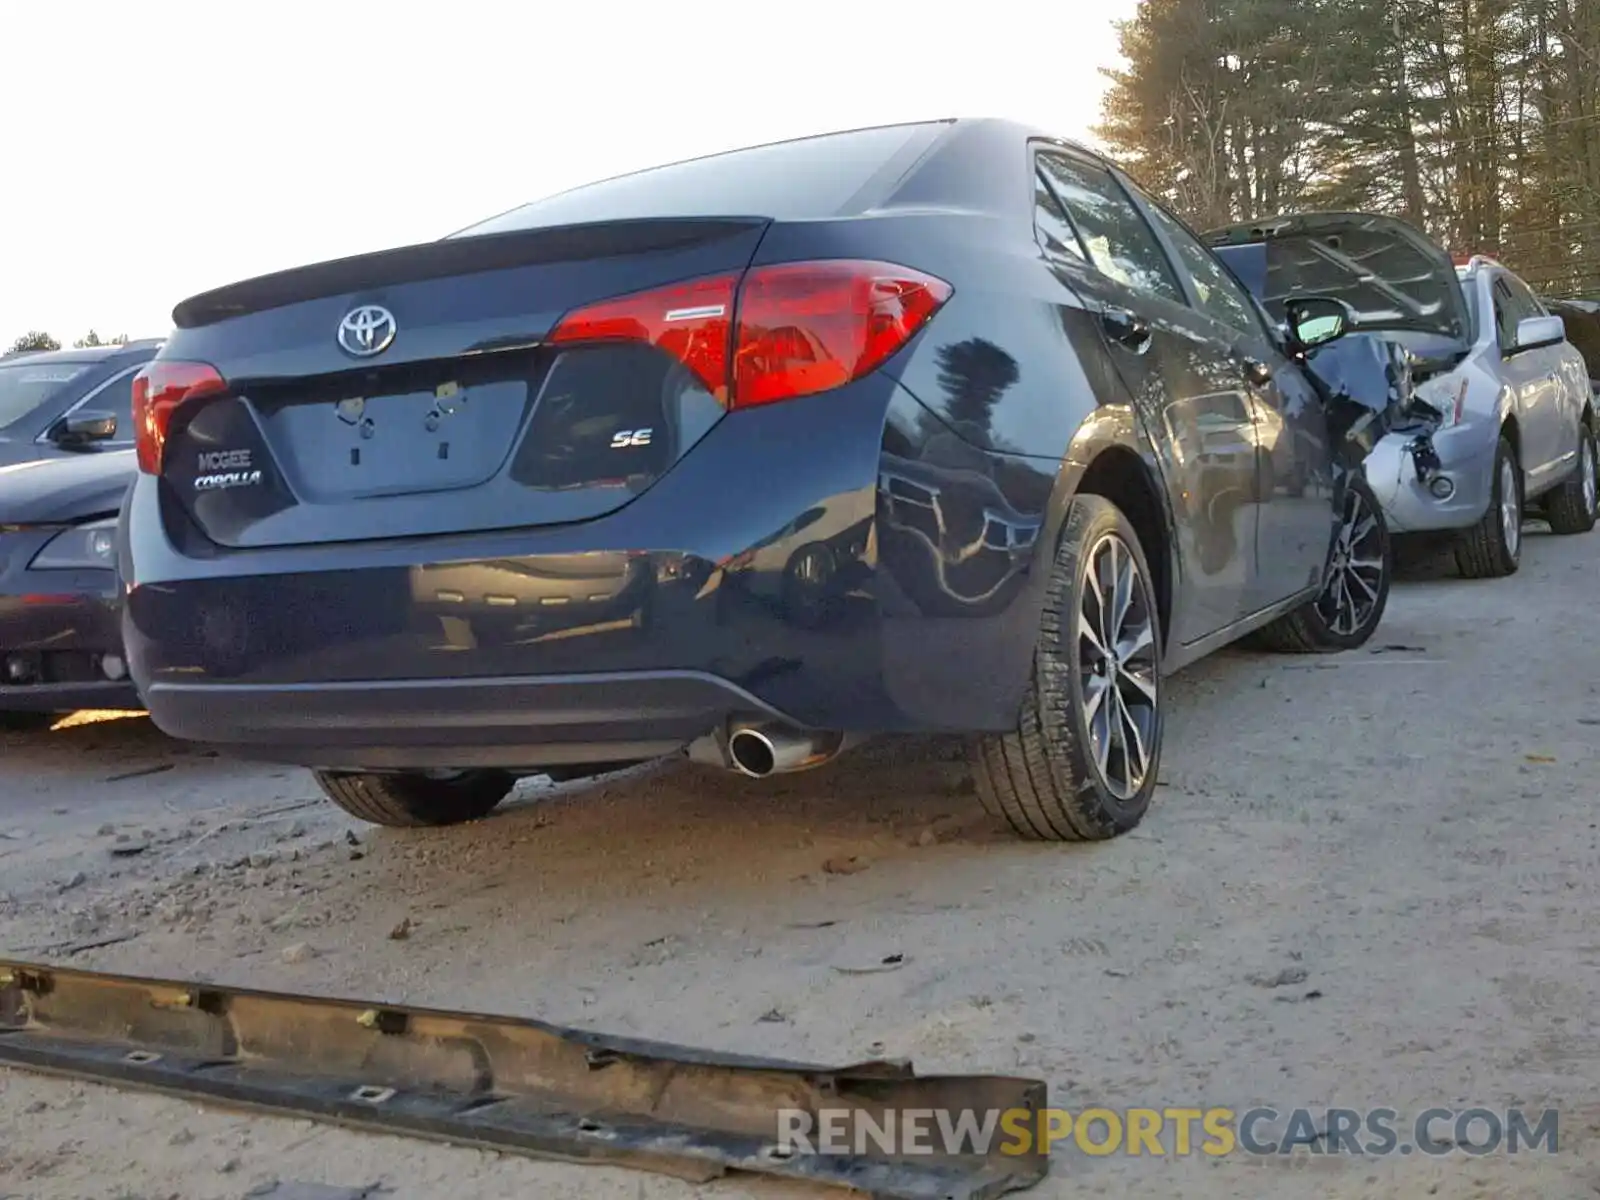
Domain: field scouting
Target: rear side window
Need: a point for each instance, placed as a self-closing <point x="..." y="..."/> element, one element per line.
<point x="1116" y="236"/>
<point x="1055" y="231"/>
<point x="808" y="179"/>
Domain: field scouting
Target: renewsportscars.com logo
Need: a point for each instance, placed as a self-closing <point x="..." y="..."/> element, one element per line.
<point x="1161" y="1132"/>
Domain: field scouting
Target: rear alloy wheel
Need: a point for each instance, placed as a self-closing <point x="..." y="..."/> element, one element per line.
<point x="1081" y="765"/>
<point x="1572" y="507"/>
<point x="1492" y="548"/>
<point x="1355" y="584"/>
<point x="416" y="798"/>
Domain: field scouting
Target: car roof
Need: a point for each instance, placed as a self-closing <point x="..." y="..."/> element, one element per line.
<point x="85" y="354"/>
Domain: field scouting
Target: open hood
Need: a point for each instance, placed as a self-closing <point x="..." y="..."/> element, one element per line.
<point x="1388" y="272"/>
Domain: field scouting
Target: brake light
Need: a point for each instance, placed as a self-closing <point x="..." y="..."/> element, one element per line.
<point x="158" y="392"/>
<point x="811" y="327"/>
<point x="793" y="329"/>
<point x="689" y="321"/>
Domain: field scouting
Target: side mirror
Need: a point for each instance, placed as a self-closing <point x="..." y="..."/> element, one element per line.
<point x="1534" y="333"/>
<point x="82" y="428"/>
<point x="1318" y="320"/>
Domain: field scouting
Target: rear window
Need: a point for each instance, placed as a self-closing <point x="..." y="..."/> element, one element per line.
<point x="808" y="179"/>
<point x="26" y="388"/>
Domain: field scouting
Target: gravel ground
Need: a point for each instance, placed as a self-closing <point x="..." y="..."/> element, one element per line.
<point x="1407" y="833"/>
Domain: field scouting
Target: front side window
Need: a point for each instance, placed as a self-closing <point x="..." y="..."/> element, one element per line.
<point x="1507" y="314"/>
<point x="1219" y="294"/>
<point x="1527" y="303"/>
<point x="1119" y="242"/>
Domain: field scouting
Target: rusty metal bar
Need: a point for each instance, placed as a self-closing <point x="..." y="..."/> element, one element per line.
<point x="505" y="1083"/>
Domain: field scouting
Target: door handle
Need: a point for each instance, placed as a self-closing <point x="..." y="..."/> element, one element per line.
<point x="1126" y="328"/>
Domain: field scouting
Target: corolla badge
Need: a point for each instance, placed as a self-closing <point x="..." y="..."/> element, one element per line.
<point x="220" y="470"/>
<point x="367" y="330"/>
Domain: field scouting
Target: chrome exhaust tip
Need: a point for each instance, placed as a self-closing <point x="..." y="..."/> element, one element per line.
<point x="761" y="750"/>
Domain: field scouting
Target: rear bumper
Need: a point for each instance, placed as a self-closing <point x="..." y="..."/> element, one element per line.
<point x="56" y="629"/>
<point x="770" y="574"/>
<point x="505" y="721"/>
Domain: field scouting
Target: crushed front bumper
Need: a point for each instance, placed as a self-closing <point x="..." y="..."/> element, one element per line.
<point x="60" y="634"/>
<point x="1432" y="483"/>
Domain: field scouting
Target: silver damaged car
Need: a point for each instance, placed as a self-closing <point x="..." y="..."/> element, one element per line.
<point x="1516" y="432"/>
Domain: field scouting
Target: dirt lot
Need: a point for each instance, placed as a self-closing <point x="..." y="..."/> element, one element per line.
<point x="1413" y="827"/>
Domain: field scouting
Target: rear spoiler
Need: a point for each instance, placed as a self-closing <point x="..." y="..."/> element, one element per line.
<point x="454" y="256"/>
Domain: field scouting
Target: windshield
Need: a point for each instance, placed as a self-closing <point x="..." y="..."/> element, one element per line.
<point x="26" y="387"/>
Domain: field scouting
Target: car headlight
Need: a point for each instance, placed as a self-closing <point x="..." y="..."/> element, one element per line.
<point x="92" y="546"/>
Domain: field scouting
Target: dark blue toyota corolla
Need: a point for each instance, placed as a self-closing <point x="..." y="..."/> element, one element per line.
<point x="940" y="427"/>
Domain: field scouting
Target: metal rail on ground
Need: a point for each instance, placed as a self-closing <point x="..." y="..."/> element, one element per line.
<point x="499" y="1082"/>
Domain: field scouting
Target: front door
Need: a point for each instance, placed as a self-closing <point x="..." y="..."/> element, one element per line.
<point x="1548" y="429"/>
<point x="1294" y="521"/>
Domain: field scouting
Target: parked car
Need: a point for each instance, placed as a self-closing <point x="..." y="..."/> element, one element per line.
<point x="956" y="356"/>
<point x="1581" y="319"/>
<point x="1517" y="429"/>
<point x="66" y="459"/>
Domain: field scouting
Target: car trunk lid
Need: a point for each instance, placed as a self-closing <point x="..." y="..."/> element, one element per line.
<point x="426" y="389"/>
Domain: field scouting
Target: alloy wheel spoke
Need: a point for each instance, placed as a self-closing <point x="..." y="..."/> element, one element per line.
<point x="1124" y="596"/>
<point x="1142" y="682"/>
<point x="1347" y="604"/>
<point x="1087" y="629"/>
<point x="1100" y="737"/>
<point x="1141" y="639"/>
<point x="1355" y="575"/>
<point x="1135" y="758"/>
<point x="1095" y="688"/>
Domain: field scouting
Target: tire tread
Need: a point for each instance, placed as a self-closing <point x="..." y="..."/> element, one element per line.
<point x="1481" y="552"/>
<point x="1035" y="778"/>
<point x="414" y="801"/>
<point x="1564" y="508"/>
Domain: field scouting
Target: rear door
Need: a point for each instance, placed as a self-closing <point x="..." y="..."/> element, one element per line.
<point x="1294" y="520"/>
<point x="1184" y="380"/>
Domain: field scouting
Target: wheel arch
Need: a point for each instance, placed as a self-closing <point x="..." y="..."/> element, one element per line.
<point x="1511" y="430"/>
<point x="1111" y="456"/>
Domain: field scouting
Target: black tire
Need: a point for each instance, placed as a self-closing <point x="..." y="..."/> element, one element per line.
<point x="1492" y="549"/>
<point x="27" y="722"/>
<point x="409" y="801"/>
<point x="1046" y="779"/>
<point x="1355" y="590"/>
<point x="1572" y="507"/>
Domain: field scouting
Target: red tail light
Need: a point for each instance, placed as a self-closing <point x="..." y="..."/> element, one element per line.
<point x="159" y="391"/>
<point x="810" y="327"/>
<point x="689" y="321"/>
<point x="801" y="327"/>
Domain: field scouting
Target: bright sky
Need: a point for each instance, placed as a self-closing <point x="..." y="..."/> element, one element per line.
<point x="156" y="148"/>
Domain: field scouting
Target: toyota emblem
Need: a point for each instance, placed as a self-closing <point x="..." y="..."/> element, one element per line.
<point x="367" y="330"/>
